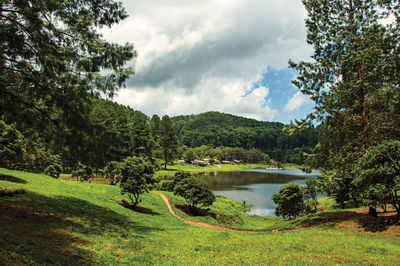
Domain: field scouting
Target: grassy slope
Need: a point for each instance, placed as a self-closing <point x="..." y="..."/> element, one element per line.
<point x="66" y="222"/>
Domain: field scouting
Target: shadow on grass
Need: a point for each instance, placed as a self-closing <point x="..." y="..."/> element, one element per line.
<point x="139" y="209"/>
<point x="13" y="179"/>
<point x="37" y="229"/>
<point x="196" y="211"/>
<point x="363" y="220"/>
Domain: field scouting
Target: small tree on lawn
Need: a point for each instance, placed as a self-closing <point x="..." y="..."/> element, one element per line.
<point x="195" y="192"/>
<point x="310" y="194"/>
<point x="53" y="166"/>
<point x="289" y="200"/>
<point x="136" y="177"/>
<point x="379" y="175"/>
<point x="82" y="172"/>
<point x="111" y="171"/>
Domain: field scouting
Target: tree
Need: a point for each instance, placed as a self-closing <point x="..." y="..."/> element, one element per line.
<point x="310" y="194"/>
<point x="195" y="192"/>
<point x="12" y="145"/>
<point x="354" y="66"/>
<point x="111" y="171"/>
<point x="53" y="166"/>
<point x="82" y="172"/>
<point x="52" y="62"/>
<point x="189" y="155"/>
<point x="168" y="140"/>
<point x="289" y="200"/>
<point x="136" y="177"/>
<point x="379" y="175"/>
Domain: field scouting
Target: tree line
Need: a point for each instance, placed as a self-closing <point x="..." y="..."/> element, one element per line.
<point x="225" y="130"/>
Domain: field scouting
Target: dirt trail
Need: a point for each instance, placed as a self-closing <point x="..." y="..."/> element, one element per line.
<point x="209" y="226"/>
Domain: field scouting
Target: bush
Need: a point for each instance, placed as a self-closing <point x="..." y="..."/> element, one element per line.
<point x="12" y="145"/>
<point x="289" y="200"/>
<point x="136" y="177"/>
<point x="82" y="172"/>
<point x="54" y="170"/>
<point x="111" y="171"/>
<point x="379" y="175"/>
<point x="52" y="164"/>
<point x="165" y="185"/>
<point x="195" y="192"/>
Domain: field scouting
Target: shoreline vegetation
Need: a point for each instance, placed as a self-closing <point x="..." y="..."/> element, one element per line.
<point x="58" y="221"/>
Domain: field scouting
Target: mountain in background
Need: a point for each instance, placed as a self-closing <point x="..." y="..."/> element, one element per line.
<point x="220" y="129"/>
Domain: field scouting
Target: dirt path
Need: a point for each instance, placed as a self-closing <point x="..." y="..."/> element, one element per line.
<point x="209" y="226"/>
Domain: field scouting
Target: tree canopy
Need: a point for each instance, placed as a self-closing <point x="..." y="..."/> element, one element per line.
<point x="53" y="62"/>
<point x="225" y="130"/>
<point x="353" y="78"/>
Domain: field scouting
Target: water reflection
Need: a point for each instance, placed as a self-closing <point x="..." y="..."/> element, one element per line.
<point x="255" y="185"/>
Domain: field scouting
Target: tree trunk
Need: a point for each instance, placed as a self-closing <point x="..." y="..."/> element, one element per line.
<point x="361" y="95"/>
<point x="372" y="212"/>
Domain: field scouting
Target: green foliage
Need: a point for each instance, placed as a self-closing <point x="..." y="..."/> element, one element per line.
<point x="189" y="155"/>
<point x="195" y="192"/>
<point x="12" y="145"/>
<point x="53" y="64"/>
<point x="52" y="164"/>
<point x="111" y="171"/>
<point x="353" y="81"/>
<point x="289" y="200"/>
<point x="379" y="175"/>
<point x="223" y="130"/>
<point x="168" y="140"/>
<point x="310" y="194"/>
<point x="136" y="177"/>
<point x="82" y="172"/>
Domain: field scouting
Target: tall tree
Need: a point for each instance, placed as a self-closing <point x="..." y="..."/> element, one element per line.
<point x="351" y="71"/>
<point x="168" y="140"/>
<point x="52" y="61"/>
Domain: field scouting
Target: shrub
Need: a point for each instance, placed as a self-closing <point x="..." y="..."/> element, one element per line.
<point x="111" y="171"/>
<point x="195" y="192"/>
<point x="289" y="200"/>
<point x="54" y="170"/>
<point x="82" y="172"/>
<point x="12" y="145"/>
<point x="136" y="177"/>
<point x="379" y="175"/>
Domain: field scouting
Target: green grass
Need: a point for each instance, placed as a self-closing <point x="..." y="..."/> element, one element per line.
<point x="67" y="222"/>
<point x="172" y="169"/>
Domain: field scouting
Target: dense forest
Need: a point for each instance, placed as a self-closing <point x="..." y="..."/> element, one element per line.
<point x="225" y="130"/>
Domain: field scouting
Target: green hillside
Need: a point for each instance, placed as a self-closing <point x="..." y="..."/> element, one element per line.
<point x="68" y="223"/>
<point x="219" y="129"/>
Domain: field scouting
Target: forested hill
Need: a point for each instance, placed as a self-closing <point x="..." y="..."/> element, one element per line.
<point x="219" y="129"/>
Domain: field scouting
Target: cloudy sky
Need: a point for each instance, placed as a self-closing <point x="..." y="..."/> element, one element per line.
<point x="214" y="55"/>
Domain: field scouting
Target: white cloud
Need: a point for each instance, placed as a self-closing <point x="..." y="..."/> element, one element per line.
<point x="230" y="99"/>
<point x="296" y="102"/>
<point x="196" y="56"/>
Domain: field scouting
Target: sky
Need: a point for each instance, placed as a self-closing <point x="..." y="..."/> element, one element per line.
<point x="229" y="56"/>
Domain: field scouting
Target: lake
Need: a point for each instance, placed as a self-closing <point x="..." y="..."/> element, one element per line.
<point x="254" y="185"/>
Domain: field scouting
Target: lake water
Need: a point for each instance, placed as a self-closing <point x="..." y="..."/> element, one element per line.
<point x="254" y="185"/>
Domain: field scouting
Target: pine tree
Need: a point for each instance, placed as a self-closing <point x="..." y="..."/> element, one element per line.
<point x="53" y="61"/>
<point x="168" y="140"/>
<point x="352" y="79"/>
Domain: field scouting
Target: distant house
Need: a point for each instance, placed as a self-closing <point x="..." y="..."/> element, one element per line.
<point x="236" y="161"/>
<point x="199" y="163"/>
<point x="181" y="161"/>
<point x="226" y="162"/>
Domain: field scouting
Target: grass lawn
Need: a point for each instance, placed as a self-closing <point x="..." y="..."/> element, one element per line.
<point x="68" y="222"/>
